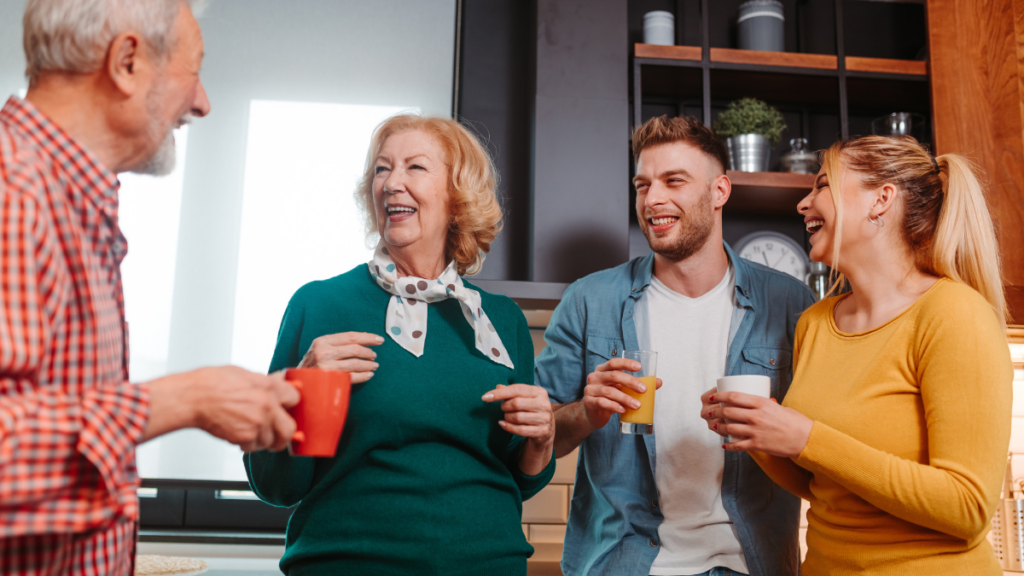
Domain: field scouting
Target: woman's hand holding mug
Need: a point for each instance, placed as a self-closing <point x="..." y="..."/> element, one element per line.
<point x="345" y="352"/>
<point x="756" y="423"/>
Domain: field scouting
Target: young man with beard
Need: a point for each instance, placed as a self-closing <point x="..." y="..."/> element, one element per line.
<point x="672" y="503"/>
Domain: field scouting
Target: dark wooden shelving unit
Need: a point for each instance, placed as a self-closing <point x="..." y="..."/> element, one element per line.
<point x="836" y="77"/>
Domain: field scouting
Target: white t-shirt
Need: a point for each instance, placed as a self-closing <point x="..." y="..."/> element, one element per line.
<point x="691" y="337"/>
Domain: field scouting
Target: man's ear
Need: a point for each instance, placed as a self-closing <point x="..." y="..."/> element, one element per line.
<point x="124" y="61"/>
<point x="721" y="189"/>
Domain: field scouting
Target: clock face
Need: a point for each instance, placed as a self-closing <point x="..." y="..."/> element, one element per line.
<point x="775" y="251"/>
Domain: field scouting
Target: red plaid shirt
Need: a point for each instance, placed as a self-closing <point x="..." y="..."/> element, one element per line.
<point x="69" y="419"/>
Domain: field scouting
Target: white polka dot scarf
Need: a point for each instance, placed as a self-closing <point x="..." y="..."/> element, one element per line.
<point x="406" y="321"/>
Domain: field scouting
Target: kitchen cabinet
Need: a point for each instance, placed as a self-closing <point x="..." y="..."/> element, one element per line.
<point x="977" y="71"/>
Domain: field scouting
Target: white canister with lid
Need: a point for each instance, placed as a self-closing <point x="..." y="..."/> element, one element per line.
<point x="660" y="28"/>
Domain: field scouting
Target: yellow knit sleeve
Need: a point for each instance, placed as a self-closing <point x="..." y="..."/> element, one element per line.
<point x="965" y="378"/>
<point x="785" y="473"/>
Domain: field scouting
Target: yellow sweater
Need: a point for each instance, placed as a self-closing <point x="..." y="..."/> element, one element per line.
<point x="905" y="461"/>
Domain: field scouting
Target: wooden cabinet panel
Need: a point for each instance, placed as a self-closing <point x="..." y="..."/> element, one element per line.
<point x="549" y="506"/>
<point x="565" y="468"/>
<point x="977" y="73"/>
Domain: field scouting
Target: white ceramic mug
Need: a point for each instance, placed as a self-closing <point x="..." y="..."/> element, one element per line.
<point x="747" y="384"/>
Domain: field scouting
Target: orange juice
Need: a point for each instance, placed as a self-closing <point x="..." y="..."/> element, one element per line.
<point x="645" y="413"/>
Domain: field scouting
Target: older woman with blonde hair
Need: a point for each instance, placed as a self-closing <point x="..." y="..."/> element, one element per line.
<point x="897" y="424"/>
<point x="446" y="435"/>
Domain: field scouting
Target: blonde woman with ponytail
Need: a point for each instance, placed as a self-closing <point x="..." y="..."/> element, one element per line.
<point x="897" y="424"/>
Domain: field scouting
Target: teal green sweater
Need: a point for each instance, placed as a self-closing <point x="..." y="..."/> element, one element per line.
<point x="424" y="481"/>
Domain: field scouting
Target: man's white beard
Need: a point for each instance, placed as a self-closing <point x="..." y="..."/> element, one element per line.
<point x="161" y="163"/>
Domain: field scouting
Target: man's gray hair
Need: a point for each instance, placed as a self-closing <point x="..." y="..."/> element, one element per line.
<point x="74" y="35"/>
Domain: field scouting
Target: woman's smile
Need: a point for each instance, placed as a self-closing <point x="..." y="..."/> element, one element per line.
<point x="399" y="212"/>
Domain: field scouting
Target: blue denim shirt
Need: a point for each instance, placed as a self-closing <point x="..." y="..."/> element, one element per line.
<point x="614" y="515"/>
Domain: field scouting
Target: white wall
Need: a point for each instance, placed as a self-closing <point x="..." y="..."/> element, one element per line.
<point x="328" y="51"/>
<point x="386" y="53"/>
<point x="12" y="57"/>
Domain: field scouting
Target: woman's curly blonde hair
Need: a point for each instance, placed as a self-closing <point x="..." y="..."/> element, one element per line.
<point x="475" y="216"/>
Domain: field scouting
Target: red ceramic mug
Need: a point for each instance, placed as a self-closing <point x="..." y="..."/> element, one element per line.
<point x="321" y="411"/>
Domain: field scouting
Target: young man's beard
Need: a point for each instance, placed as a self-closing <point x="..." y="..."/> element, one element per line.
<point x="695" y="227"/>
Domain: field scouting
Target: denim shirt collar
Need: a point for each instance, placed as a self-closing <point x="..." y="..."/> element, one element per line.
<point x="645" y="268"/>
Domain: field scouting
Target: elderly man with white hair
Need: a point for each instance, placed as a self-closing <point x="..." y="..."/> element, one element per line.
<point x="109" y="80"/>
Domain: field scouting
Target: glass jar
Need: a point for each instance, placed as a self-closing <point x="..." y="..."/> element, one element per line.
<point x="799" y="159"/>
<point x="817" y="279"/>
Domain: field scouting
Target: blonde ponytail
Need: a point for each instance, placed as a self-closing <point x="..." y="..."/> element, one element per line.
<point x="965" y="239"/>
<point x="946" y="226"/>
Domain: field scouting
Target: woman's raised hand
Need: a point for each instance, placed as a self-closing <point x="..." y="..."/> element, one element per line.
<point x="756" y="423"/>
<point x="528" y="413"/>
<point x="707" y="403"/>
<point x="345" y="352"/>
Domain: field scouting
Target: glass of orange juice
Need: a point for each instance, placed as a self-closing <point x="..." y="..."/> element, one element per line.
<point x="641" y="420"/>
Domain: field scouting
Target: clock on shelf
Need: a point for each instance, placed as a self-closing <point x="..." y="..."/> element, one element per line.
<point x="776" y="251"/>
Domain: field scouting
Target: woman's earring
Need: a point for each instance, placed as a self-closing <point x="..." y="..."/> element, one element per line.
<point x="878" y="222"/>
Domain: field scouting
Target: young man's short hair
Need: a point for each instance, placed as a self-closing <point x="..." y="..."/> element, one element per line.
<point x="665" y="130"/>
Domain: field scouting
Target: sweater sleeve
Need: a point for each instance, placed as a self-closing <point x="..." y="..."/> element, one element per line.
<point x="279" y="478"/>
<point x="528" y="485"/>
<point x="965" y="378"/>
<point x="785" y="473"/>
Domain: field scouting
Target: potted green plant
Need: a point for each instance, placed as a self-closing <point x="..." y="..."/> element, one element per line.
<point x="751" y="129"/>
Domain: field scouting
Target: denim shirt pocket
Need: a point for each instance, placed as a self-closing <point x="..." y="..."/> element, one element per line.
<point x="601" y="349"/>
<point x="776" y="363"/>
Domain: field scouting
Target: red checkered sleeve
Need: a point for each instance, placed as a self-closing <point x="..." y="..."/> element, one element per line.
<point x="53" y="436"/>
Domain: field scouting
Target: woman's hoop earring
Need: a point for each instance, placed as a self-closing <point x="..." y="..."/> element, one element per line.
<point x="879" y="222"/>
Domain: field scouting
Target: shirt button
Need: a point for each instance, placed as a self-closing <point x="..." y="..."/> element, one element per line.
<point x="772" y="361"/>
<point x="614" y="352"/>
<point x="745" y="293"/>
<point x="654" y="504"/>
<point x="654" y="543"/>
<point x="634" y="289"/>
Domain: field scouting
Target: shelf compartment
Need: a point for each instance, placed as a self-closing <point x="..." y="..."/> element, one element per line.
<point x="668" y="52"/>
<point x="775" y="193"/>
<point x="881" y="96"/>
<point x="778" y="59"/>
<point x="887" y="66"/>
<point x="820" y="93"/>
<point x="669" y="81"/>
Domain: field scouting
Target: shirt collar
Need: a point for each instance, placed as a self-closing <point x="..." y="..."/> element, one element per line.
<point x="645" y="266"/>
<point x="742" y="272"/>
<point x="642" y="276"/>
<point x="97" y="183"/>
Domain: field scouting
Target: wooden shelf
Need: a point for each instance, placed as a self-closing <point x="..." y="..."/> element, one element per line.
<point x="781" y="59"/>
<point x="775" y="193"/>
<point x="668" y="52"/>
<point x="886" y="66"/>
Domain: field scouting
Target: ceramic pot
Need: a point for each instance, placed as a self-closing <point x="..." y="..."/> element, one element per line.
<point x="761" y="26"/>
<point x="659" y="28"/>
